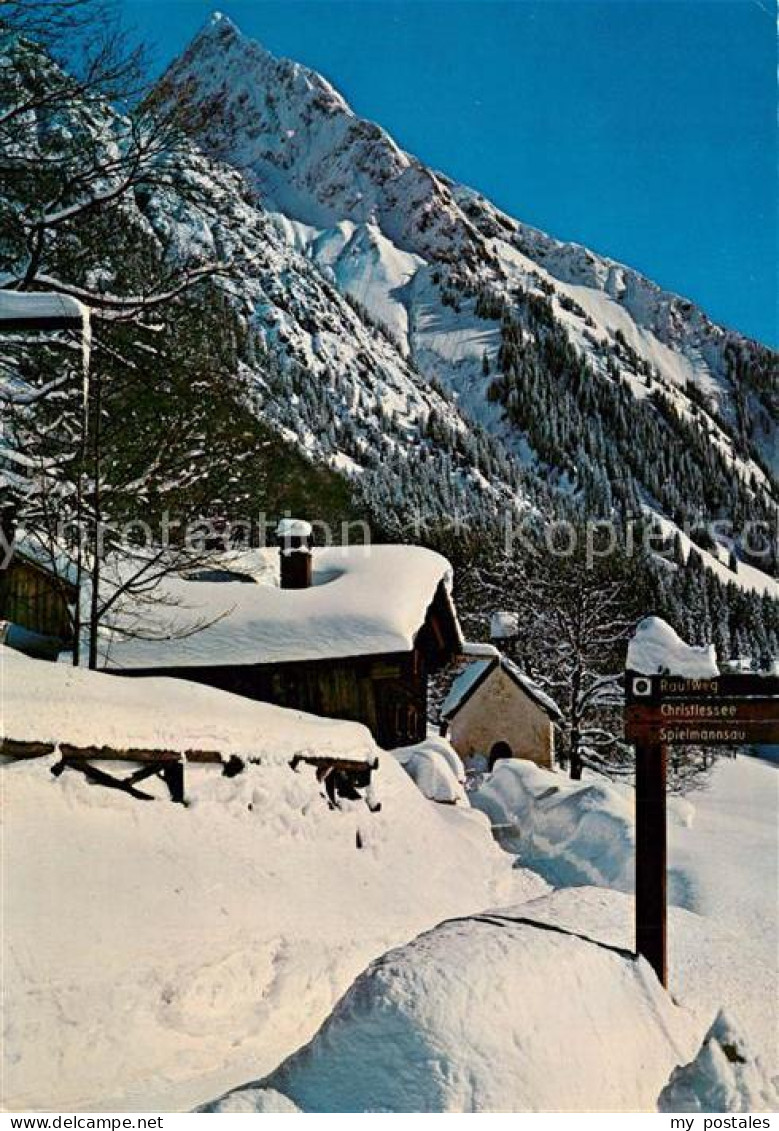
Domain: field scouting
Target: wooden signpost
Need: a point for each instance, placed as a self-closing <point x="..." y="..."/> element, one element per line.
<point x="662" y="711"/>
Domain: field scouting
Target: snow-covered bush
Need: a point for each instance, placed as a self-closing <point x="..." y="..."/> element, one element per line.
<point x="724" y="1076"/>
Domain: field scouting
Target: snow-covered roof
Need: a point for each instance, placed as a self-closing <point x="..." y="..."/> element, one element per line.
<point x="656" y="649"/>
<point x="364" y="600"/>
<point x="51" y="558"/>
<point x="436" y="769"/>
<point x="21" y="310"/>
<point x="463" y="685"/>
<point x="471" y="678"/>
<point x="55" y="703"/>
<point x="477" y="648"/>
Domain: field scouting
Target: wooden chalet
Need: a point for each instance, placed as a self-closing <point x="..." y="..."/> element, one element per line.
<point x="345" y="633"/>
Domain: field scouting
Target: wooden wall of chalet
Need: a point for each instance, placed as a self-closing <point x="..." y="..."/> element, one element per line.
<point x="387" y="693"/>
<point x="32" y="598"/>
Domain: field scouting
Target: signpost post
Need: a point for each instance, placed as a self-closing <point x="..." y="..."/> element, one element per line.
<point x="660" y="711"/>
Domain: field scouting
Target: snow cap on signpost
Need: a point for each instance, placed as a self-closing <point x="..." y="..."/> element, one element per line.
<point x="656" y="649"/>
<point x="295" y="535"/>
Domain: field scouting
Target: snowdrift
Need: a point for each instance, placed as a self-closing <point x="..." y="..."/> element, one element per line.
<point x="486" y="1014"/>
<point x="435" y="768"/>
<point x="364" y="600"/>
<point x="570" y="832"/>
<point x="45" y="702"/>
<point x="725" y="1076"/>
<point x="723" y="854"/>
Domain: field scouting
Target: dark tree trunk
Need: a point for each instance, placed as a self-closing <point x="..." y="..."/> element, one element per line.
<point x="576" y="757"/>
<point x="94" y="603"/>
<point x="576" y="753"/>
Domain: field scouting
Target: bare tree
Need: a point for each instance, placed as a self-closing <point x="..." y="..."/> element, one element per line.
<point x="72" y="167"/>
<point x="574" y="619"/>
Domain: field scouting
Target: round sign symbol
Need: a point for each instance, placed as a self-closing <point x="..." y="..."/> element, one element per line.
<point x="642" y="687"/>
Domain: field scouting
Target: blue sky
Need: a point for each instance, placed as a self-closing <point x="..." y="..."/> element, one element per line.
<point x="642" y="128"/>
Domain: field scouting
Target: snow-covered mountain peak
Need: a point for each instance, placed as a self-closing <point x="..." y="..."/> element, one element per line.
<point x="219" y="29"/>
<point x="484" y="304"/>
<point x="221" y="38"/>
<point x="306" y="151"/>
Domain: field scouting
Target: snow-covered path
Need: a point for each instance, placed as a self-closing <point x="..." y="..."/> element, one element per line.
<point x="723" y="864"/>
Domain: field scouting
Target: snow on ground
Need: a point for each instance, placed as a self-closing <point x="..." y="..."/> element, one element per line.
<point x="489" y="1014"/>
<point x="723" y="864"/>
<point x="156" y="955"/>
<point x="656" y="649"/>
<point x="747" y="577"/>
<point x="485" y="1014"/>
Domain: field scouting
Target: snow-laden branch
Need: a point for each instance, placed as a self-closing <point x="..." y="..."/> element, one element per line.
<point x="30" y="396"/>
<point x="114" y="307"/>
<point x="603" y="690"/>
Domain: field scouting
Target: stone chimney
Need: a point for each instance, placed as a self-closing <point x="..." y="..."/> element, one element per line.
<point x="504" y="632"/>
<point x="294" y="537"/>
<point x="504" y="625"/>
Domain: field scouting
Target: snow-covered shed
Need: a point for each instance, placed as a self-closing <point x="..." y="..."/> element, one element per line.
<point x="354" y="635"/>
<point x="36" y="598"/>
<point x="496" y="711"/>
